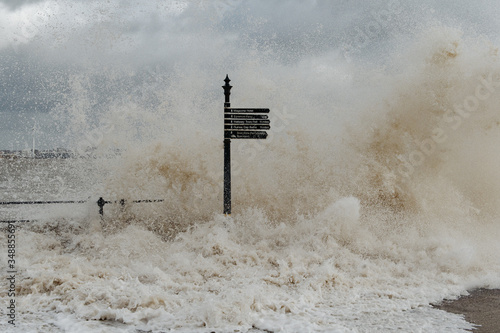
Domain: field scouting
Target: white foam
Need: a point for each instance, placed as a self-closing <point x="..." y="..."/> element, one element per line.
<point x="326" y="235"/>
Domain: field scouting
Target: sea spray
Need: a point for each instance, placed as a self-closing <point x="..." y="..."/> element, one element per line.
<point x="327" y="233"/>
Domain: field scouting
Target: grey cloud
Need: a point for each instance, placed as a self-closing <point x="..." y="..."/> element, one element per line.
<point x="121" y="48"/>
<point x="14" y="4"/>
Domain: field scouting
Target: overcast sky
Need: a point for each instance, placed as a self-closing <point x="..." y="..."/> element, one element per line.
<point x="65" y="63"/>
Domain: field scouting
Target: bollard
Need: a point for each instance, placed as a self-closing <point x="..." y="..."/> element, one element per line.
<point x="101" y="204"/>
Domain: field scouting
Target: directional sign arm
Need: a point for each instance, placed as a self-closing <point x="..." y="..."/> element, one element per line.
<point x="245" y="134"/>
<point x="247" y="127"/>
<point x="245" y="110"/>
<point x="245" y="116"/>
<point x="247" y="121"/>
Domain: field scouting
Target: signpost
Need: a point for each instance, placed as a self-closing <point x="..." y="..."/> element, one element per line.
<point x="239" y="123"/>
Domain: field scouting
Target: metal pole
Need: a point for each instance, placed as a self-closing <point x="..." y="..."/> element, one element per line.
<point x="101" y="202"/>
<point x="227" y="153"/>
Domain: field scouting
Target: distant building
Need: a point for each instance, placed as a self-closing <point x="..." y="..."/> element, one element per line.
<point x="10" y="154"/>
<point x="39" y="154"/>
<point x="57" y="153"/>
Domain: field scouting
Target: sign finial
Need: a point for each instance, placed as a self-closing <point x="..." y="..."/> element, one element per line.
<point x="227" y="90"/>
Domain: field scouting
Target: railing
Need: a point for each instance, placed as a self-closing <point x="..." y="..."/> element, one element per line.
<point x="100" y="203"/>
<point x="15" y="221"/>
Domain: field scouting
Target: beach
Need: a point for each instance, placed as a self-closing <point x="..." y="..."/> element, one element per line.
<point x="481" y="307"/>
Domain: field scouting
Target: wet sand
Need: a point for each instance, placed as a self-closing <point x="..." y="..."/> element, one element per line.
<point x="481" y="307"/>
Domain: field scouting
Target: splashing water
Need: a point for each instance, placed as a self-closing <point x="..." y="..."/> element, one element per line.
<point x="356" y="226"/>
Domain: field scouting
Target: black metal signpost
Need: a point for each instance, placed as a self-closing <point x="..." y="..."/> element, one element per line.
<point x="239" y="123"/>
